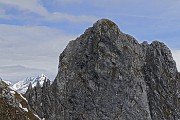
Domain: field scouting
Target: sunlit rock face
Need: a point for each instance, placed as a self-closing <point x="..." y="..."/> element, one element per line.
<point x="107" y="75"/>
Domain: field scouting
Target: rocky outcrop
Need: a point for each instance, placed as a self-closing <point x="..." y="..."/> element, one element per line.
<point x="107" y="75"/>
<point x="161" y="77"/>
<point x="14" y="106"/>
<point x="39" y="98"/>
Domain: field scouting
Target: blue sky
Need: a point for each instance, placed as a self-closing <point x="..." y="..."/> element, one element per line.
<point x="34" y="32"/>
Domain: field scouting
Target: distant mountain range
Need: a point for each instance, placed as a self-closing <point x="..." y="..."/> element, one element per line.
<point x="22" y="86"/>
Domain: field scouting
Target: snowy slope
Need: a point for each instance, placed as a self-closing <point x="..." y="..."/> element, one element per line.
<point x="8" y="82"/>
<point x="22" y="86"/>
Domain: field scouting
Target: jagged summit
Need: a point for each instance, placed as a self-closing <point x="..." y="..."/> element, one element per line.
<point x="105" y="23"/>
<point x="107" y="75"/>
<point x="22" y="86"/>
<point x="101" y="28"/>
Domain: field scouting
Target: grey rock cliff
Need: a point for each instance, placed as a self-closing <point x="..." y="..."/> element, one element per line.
<point x="107" y="75"/>
<point x="39" y="98"/>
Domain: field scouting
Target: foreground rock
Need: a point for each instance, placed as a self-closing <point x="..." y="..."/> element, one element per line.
<point x="14" y="106"/>
<point x="107" y="75"/>
<point x="39" y="98"/>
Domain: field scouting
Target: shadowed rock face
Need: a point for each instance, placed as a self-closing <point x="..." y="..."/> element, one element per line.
<point x="39" y="98"/>
<point x="107" y="75"/>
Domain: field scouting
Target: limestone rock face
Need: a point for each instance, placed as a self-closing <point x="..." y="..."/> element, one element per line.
<point x="107" y="75"/>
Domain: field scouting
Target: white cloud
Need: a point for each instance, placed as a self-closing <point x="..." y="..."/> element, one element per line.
<point x="176" y="56"/>
<point x="168" y="9"/>
<point x="27" y="5"/>
<point x="3" y="14"/>
<point x="2" y="11"/>
<point x="57" y="16"/>
<point x="35" y="6"/>
<point x="36" y="47"/>
<point x="62" y="2"/>
<point x="155" y="3"/>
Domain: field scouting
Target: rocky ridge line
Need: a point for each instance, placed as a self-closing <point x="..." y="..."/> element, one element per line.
<point x="107" y="75"/>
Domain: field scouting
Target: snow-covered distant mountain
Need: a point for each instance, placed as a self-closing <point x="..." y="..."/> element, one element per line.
<point x="22" y="85"/>
<point x="8" y="82"/>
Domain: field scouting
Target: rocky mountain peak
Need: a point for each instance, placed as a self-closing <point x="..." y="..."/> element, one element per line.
<point x="106" y="74"/>
<point x="104" y="25"/>
<point x="102" y="28"/>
